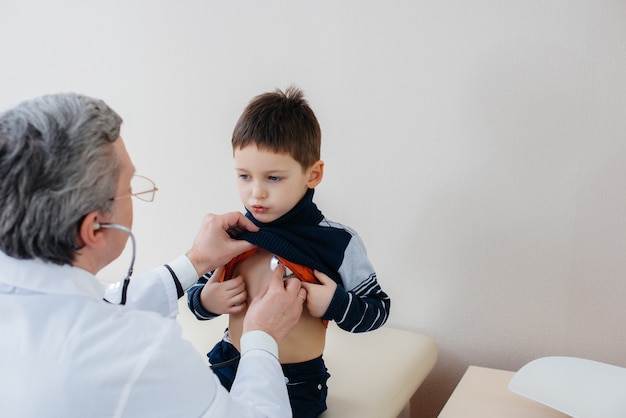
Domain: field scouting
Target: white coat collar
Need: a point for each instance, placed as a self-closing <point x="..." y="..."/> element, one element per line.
<point x="43" y="277"/>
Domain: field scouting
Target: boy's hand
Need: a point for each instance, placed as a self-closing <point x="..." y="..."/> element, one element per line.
<point x="319" y="295"/>
<point x="227" y="297"/>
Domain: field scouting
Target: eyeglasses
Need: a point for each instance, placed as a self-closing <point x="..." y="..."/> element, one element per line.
<point x="141" y="187"/>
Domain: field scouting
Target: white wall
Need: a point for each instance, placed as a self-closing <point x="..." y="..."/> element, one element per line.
<point x="477" y="146"/>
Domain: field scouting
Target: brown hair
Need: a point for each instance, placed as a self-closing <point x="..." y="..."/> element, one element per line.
<point x="280" y="122"/>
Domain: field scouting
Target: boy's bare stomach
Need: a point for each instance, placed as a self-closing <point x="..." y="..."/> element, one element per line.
<point x="304" y="342"/>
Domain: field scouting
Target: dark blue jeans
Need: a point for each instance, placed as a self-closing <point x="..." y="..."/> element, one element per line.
<point x="306" y="381"/>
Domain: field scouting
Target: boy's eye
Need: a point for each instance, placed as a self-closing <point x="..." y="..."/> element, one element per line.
<point x="244" y="176"/>
<point x="273" y="178"/>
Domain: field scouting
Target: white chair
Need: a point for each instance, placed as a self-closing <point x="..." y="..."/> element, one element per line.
<point x="577" y="387"/>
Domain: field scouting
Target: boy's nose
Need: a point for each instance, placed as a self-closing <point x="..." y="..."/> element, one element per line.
<point x="258" y="192"/>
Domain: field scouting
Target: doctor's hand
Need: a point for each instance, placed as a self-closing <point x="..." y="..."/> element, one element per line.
<point x="278" y="309"/>
<point x="227" y="297"/>
<point x="213" y="246"/>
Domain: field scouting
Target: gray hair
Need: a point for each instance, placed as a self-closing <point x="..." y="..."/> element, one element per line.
<point x="56" y="165"/>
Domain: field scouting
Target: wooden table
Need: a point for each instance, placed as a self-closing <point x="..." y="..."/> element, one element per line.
<point x="484" y="393"/>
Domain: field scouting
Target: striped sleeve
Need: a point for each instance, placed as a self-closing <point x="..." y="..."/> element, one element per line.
<point x="360" y="304"/>
<point x="193" y="299"/>
<point x="364" y="308"/>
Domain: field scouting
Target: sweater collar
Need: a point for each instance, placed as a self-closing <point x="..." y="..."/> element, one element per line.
<point x="305" y="212"/>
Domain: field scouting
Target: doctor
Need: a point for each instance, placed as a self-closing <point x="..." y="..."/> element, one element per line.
<point x="65" y="204"/>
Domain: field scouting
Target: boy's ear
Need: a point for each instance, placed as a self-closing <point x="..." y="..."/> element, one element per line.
<point x="316" y="173"/>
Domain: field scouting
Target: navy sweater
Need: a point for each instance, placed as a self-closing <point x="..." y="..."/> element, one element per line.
<point x="304" y="236"/>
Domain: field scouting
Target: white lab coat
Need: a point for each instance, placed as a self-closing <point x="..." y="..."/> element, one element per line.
<point x="64" y="352"/>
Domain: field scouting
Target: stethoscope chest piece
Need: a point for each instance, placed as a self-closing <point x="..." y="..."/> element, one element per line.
<point x="274" y="262"/>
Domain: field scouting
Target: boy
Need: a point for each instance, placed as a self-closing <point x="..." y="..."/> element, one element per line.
<point x="276" y="149"/>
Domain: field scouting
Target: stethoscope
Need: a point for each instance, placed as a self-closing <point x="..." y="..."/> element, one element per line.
<point x="273" y="262"/>
<point x="132" y="259"/>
